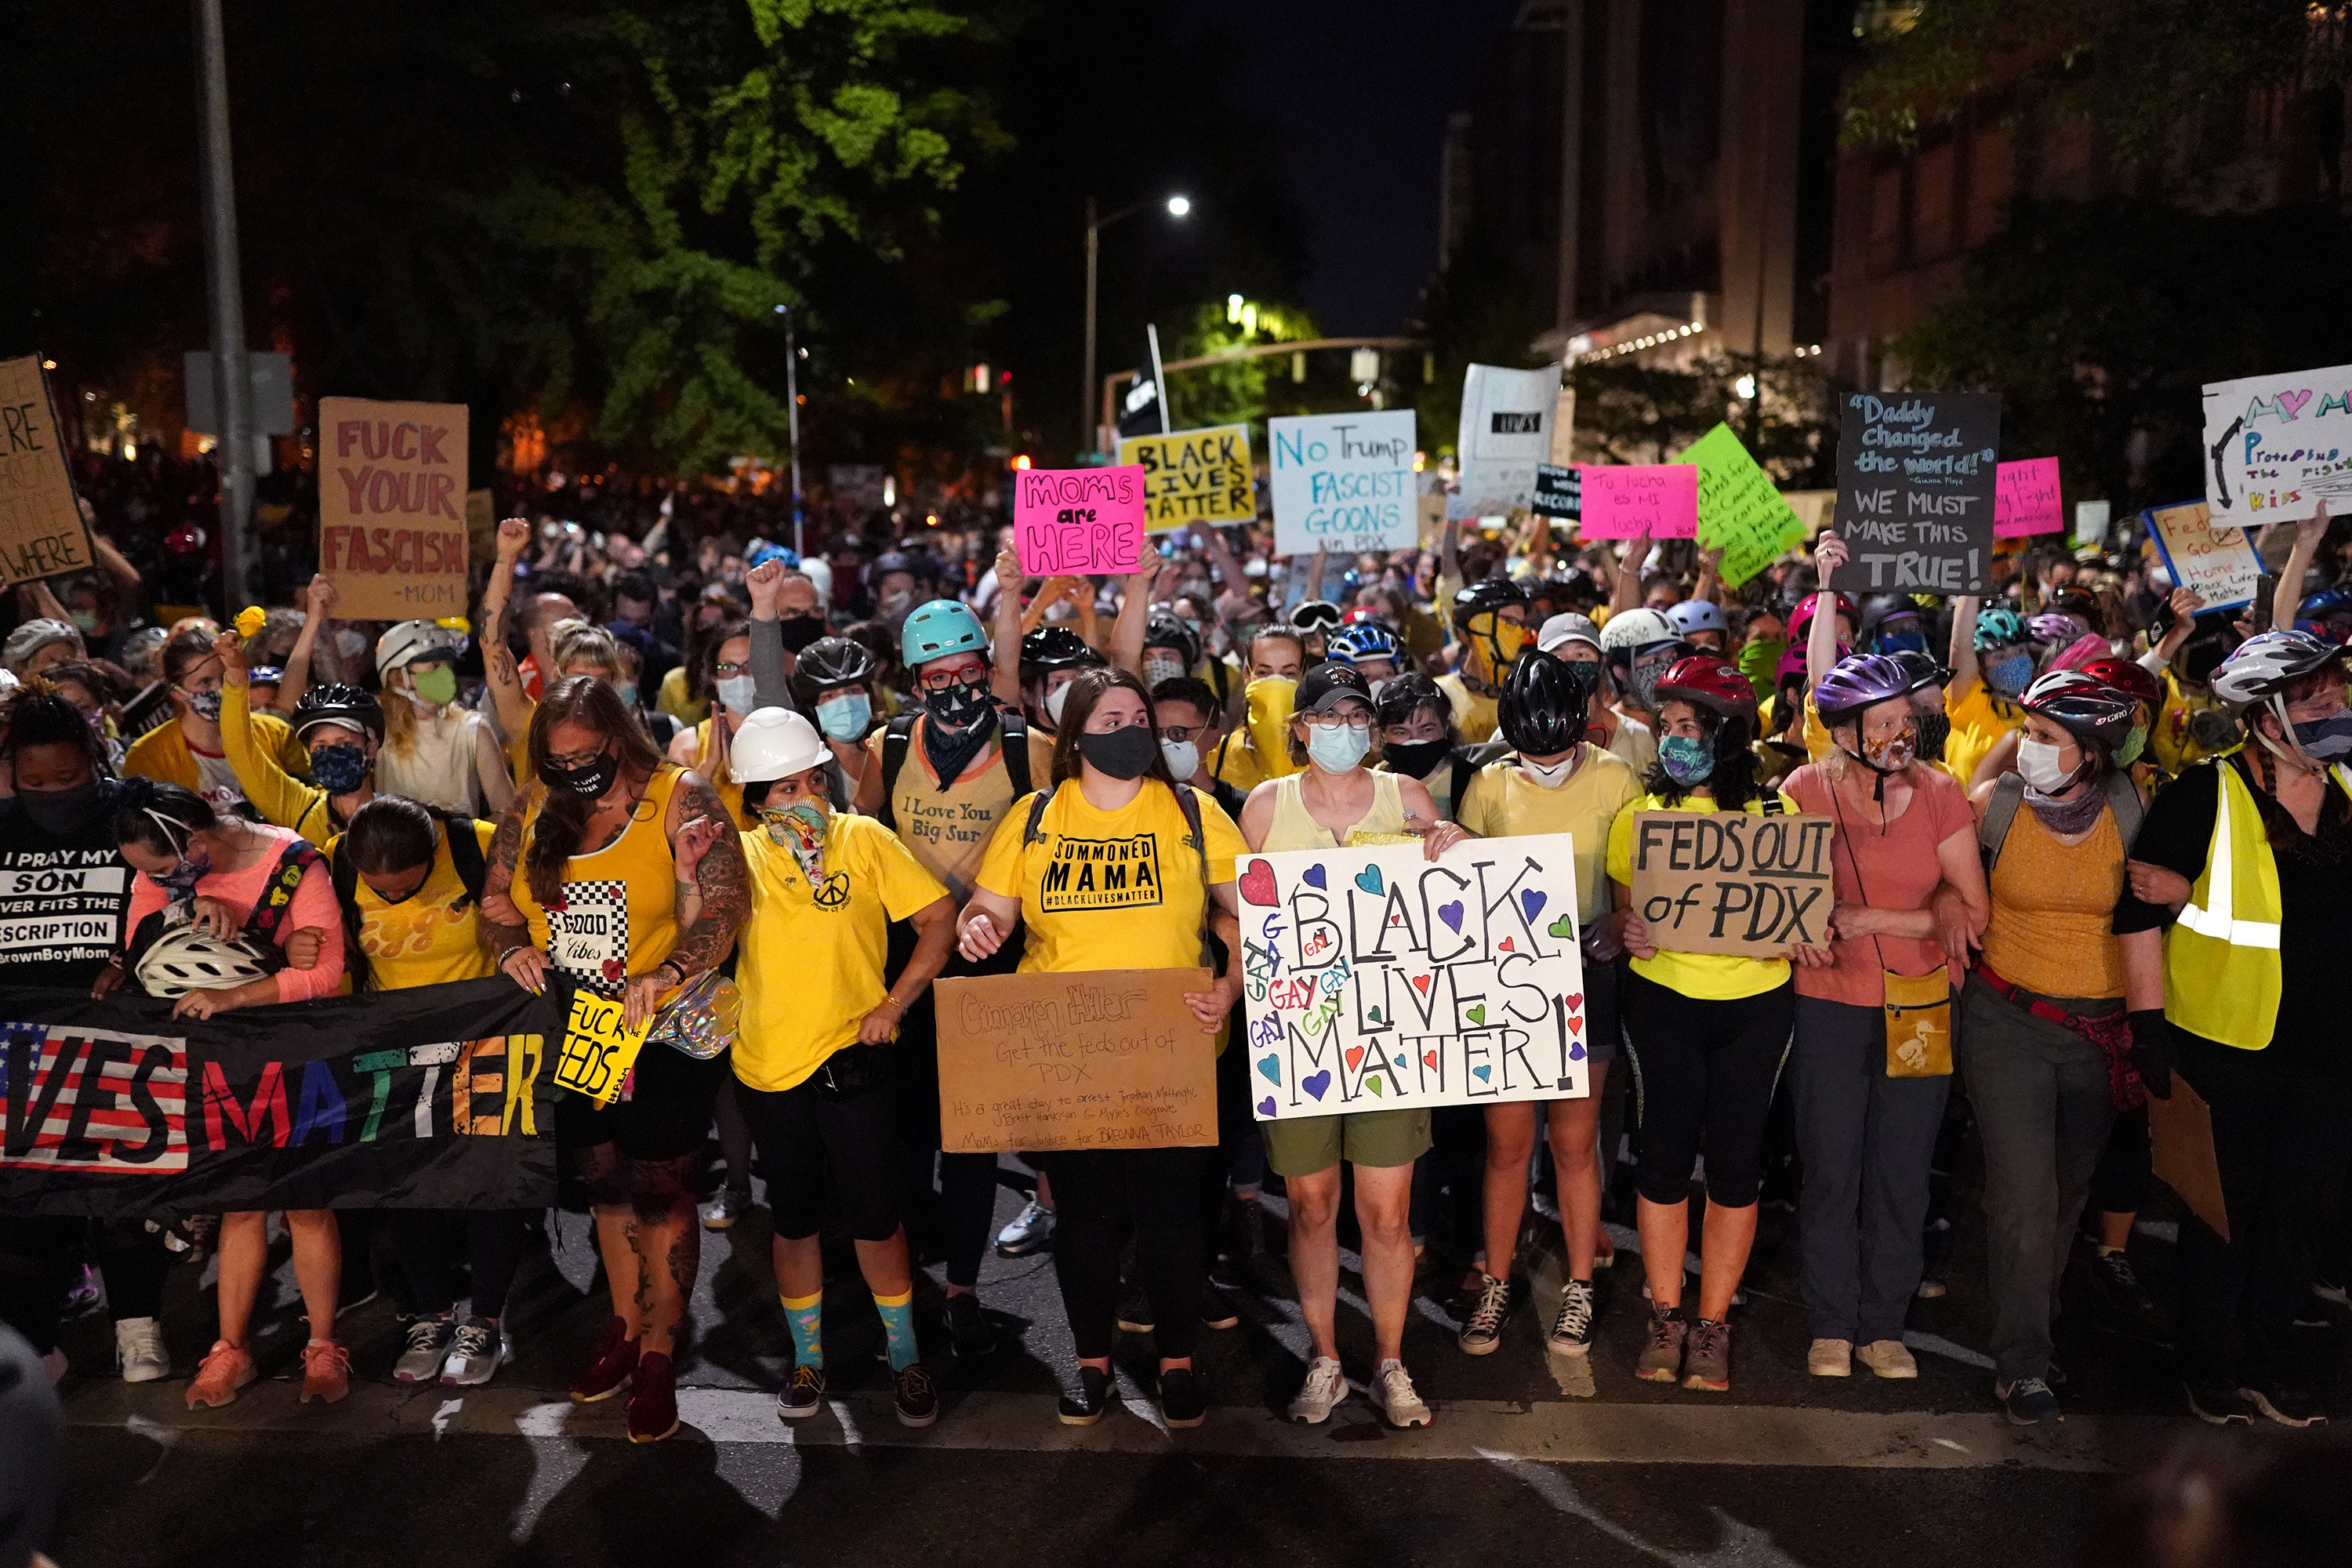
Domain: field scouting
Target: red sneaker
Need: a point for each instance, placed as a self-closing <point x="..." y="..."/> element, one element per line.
<point x="606" y="1375"/>
<point x="326" y="1372"/>
<point x="225" y="1369"/>
<point x="653" y="1400"/>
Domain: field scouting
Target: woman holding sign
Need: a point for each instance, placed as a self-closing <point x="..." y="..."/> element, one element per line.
<point x="1709" y="1032"/>
<point x="1111" y="789"/>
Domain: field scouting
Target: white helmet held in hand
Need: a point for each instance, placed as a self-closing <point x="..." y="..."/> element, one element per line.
<point x="773" y="744"/>
<point x="185" y="959"/>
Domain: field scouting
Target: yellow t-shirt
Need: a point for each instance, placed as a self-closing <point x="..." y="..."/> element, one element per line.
<point x="947" y="826"/>
<point x="1475" y="717"/>
<point x="1703" y="976"/>
<point x="2170" y="744"/>
<point x="1500" y="801"/>
<point x="431" y="937"/>
<point x="1110" y="889"/>
<point x="1978" y="722"/>
<point x="811" y="960"/>
<point x="673" y="700"/>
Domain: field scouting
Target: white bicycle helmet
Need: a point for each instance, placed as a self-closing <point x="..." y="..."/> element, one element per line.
<point x="2266" y="664"/>
<point x="185" y="959"/>
<point x="1628" y="630"/>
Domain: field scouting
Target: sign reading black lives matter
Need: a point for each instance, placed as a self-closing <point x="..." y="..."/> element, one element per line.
<point x="1733" y="881"/>
<point x="1915" y="495"/>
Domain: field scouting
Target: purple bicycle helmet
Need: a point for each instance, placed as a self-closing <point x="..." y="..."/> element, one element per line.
<point x="1853" y="684"/>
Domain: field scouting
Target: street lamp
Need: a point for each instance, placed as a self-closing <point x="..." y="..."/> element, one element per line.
<point x="1177" y="207"/>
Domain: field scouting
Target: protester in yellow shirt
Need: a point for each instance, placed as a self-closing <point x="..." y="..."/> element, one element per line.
<point x="339" y="727"/>
<point x="1490" y="626"/>
<point x="1255" y="750"/>
<point x="187" y="750"/>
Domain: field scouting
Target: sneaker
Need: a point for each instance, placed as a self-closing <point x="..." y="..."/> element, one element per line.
<point x="1829" y="1358"/>
<point x="224" y="1369"/>
<point x="1571" y="1327"/>
<point x="1134" y="1311"/>
<point x="1093" y="1398"/>
<point x="2219" y="1403"/>
<point x="609" y="1372"/>
<point x="1606" y="1257"/>
<point x="653" y="1398"/>
<point x="1031" y="1230"/>
<point x="1482" y="1330"/>
<point x="2287" y="1404"/>
<point x="1182" y="1404"/>
<point x="428" y="1347"/>
<point x="915" y="1396"/>
<point x="1888" y="1358"/>
<point x="139" y="1350"/>
<point x="2332" y="1292"/>
<point x="1706" y="1357"/>
<point x="476" y="1352"/>
<point x="726" y="1208"/>
<point x="2028" y="1401"/>
<point x="805" y="1395"/>
<point x="1393" y="1396"/>
<point x="2127" y="1300"/>
<point x="1930" y="1288"/>
<point x="1217" y="1310"/>
<point x="326" y="1373"/>
<point x="1326" y="1387"/>
<point x="1662" y="1357"/>
<point x="973" y="1336"/>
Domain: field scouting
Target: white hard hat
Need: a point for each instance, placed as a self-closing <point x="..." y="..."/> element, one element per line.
<point x="773" y="744"/>
<point x="185" y="959"/>
<point x="411" y="640"/>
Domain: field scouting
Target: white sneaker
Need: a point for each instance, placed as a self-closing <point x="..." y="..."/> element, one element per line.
<point x="1031" y="1230"/>
<point x="476" y="1350"/>
<point x="429" y="1346"/>
<point x="1392" y="1392"/>
<point x="139" y="1350"/>
<point x="1327" y="1387"/>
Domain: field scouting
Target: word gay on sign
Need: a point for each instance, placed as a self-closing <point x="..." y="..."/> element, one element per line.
<point x="1194" y="476"/>
<point x="41" y="530"/>
<point x="392" y="508"/>
<point x="2278" y="443"/>
<point x="1733" y="881"/>
<point x="1342" y="481"/>
<point x="1915" y="498"/>
<point x="1108" y="1058"/>
<point x="1378" y="980"/>
<point x="1078" y="521"/>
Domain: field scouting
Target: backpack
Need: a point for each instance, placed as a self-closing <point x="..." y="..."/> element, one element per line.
<point x="465" y="854"/>
<point x="1186" y="802"/>
<point x="2009" y="792"/>
<point x="1013" y="739"/>
<point x="1466" y="761"/>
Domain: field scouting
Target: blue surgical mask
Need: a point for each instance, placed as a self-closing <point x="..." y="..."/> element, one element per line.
<point x="1337" y="748"/>
<point x="338" y="770"/>
<point x="2326" y="740"/>
<point x="737" y="692"/>
<point x="845" y="717"/>
<point x="629" y="694"/>
<point x="1687" y="761"/>
<point x="2010" y="675"/>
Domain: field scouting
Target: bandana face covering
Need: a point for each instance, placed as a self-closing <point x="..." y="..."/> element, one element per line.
<point x="801" y="828"/>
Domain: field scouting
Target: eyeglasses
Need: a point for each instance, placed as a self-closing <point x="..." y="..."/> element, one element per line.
<point x="1353" y="717"/>
<point x="948" y="680"/>
<point x="1180" y="733"/>
<point x="727" y="669"/>
<point x="571" y="761"/>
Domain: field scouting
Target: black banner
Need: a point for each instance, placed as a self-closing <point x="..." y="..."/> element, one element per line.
<point x="438" y="1098"/>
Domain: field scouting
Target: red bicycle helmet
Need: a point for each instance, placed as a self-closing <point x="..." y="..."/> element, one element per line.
<point x="2128" y="676"/>
<point x="1800" y="619"/>
<point x="1710" y="682"/>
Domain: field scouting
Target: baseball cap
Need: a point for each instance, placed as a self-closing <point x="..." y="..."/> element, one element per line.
<point x="1325" y="685"/>
<point x="1568" y="627"/>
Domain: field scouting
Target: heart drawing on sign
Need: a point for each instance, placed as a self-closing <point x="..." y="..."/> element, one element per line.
<point x="1576" y="1050"/>
<point x="1374" y="1083"/>
<point x="1563" y="927"/>
<point x="1421" y="983"/>
<point x="1266" y="1109"/>
<point x="1312" y="876"/>
<point x="1476" y="1015"/>
<point x="1315" y="1083"/>
<point x="1400" y="1061"/>
<point x="1375" y="1014"/>
<point x="1369" y="878"/>
<point x="1504" y="946"/>
<point x="1451" y="915"/>
<point x="1575" y="1003"/>
<point x="1483" y="1073"/>
<point x="1428" y="1060"/>
<point x="1257" y="883"/>
<point x="1355" y="1058"/>
<point x="1533" y="902"/>
<point x="1270" y="1065"/>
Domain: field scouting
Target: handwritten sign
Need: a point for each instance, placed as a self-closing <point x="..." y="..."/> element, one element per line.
<point x="1194" y="476"/>
<point x="392" y="508"/>
<point x="2091" y="519"/>
<point x="2217" y="560"/>
<point x="1078" y="521"/>
<point x="1097" y="1059"/>
<point x="1342" y="481"/>
<point x="2278" y="443"/>
<point x="598" y="1049"/>
<point x="1559" y="492"/>
<point x="41" y="530"/>
<point x="1506" y="431"/>
<point x="1378" y="980"/>
<point x="1739" y="511"/>
<point x="1733" y="881"/>
<point x="1639" y="501"/>
<point x="1915" y="497"/>
<point x="2025" y="498"/>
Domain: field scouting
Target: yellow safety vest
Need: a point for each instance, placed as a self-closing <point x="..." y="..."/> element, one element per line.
<point x="2222" y="971"/>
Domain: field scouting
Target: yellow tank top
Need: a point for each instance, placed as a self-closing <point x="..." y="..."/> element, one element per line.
<point x="723" y="780"/>
<point x="2052" y="906"/>
<point x="1293" y="828"/>
<point x="435" y="935"/>
<point x="619" y="914"/>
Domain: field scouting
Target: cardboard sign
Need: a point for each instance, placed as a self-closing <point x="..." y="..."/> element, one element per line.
<point x="2091" y="519"/>
<point x="1342" y="482"/>
<point x="1739" y="511"/>
<point x="2182" y="1130"/>
<point x="1078" y="521"/>
<point x="1108" y="1058"/>
<point x="1559" y="492"/>
<point x="598" y="1049"/>
<point x="2278" y="443"/>
<point x="392" y="508"/>
<point x="1378" y="980"/>
<point x="2025" y="498"/>
<point x="1915" y="495"/>
<point x="1194" y="476"/>
<point x="1733" y="881"/>
<point x="1640" y="500"/>
<point x="2216" y="561"/>
<point x="41" y="530"/>
<point x="1506" y="431"/>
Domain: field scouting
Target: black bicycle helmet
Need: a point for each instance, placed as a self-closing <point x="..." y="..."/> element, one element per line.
<point x="1055" y="648"/>
<point x="837" y="661"/>
<point x="1168" y="632"/>
<point x="337" y="703"/>
<point x="1482" y="598"/>
<point x="1543" y="706"/>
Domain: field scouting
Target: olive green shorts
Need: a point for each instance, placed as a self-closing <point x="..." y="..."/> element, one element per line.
<point x="1306" y="1144"/>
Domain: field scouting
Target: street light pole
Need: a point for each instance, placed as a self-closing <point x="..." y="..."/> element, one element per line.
<point x="793" y="413"/>
<point x="1086" y="386"/>
<point x="224" y="292"/>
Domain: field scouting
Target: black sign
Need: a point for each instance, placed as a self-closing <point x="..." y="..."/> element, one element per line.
<point x="1914" y="496"/>
<point x="1559" y="492"/>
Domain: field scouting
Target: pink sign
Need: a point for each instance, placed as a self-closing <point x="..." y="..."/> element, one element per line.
<point x="1639" y="501"/>
<point x="1078" y="521"/>
<point x="2025" y="498"/>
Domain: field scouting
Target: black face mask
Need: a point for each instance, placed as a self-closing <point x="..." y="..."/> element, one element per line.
<point x="1934" y="729"/>
<point x="799" y="631"/>
<point x="957" y="705"/>
<point x="1123" y="754"/>
<point x="1414" y="759"/>
<point x="589" y="783"/>
<point x="64" y="810"/>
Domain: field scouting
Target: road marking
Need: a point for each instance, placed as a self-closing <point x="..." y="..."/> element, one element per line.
<point x="1493" y="1430"/>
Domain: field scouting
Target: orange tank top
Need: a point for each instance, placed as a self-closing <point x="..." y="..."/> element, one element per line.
<point x="2053" y="904"/>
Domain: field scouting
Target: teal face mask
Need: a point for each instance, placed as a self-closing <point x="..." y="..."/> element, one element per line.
<point x="1337" y="748"/>
<point x="1686" y="761"/>
<point x="845" y="717"/>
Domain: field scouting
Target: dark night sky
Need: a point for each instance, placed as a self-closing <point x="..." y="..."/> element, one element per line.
<point x="1358" y="92"/>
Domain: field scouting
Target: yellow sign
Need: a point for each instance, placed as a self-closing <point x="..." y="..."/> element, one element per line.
<point x="1194" y="476"/>
<point x="597" y="1050"/>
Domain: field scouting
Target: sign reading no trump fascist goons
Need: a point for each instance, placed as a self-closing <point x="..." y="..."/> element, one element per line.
<point x="1343" y="481"/>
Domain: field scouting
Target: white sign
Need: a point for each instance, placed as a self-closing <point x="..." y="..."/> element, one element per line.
<point x="1378" y="980"/>
<point x="1342" y="481"/>
<point x="1506" y="429"/>
<point x="2275" y="443"/>
<point x="2215" y="560"/>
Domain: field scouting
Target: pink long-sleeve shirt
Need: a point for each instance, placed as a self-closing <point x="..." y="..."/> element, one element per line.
<point x="314" y="905"/>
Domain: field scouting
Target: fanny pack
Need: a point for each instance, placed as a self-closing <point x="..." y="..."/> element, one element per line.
<point x="852" y="1070"/>
<point x="701" y="1018"/>
<point x="1918" y="1008"/>
<point x="2111" y="1034"/>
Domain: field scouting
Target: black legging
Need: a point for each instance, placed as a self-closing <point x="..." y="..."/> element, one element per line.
<point x="2126" y="1166"/>
<point x="967" y="1189"/>
<point x="35" y="1252"/>
<point x="494" y="1240"/>
<point x="1098" y="1194"/>
<point x="1704" y="1072"/>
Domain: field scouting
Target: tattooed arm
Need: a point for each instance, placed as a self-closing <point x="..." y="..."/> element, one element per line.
<point x="498" y="660"/>
<point x="503" y="927"/>
<point x="712" y="908"/>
